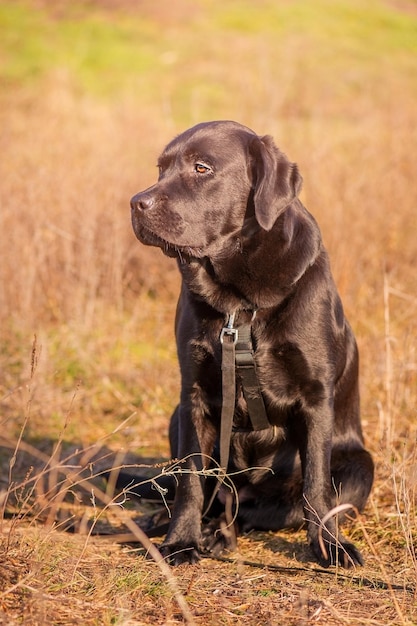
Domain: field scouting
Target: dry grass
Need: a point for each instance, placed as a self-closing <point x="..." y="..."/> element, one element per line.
<point x="98" y="383"/>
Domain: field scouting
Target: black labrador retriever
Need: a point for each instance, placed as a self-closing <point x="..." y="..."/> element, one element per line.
<point x="226" y="207"/>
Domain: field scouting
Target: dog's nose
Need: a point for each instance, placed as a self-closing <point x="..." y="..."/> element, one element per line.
<point x="146" y="202"/>
<point x="142" y="202"/>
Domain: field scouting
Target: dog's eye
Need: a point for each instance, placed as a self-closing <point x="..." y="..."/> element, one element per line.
<point x="200" y="168"/>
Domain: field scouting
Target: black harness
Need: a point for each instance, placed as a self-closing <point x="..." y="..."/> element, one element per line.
<point x="237" y="357"/>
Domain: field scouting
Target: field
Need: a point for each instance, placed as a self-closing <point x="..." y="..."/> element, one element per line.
<point x="90" y="92"/>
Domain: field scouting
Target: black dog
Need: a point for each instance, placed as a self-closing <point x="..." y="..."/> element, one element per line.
<point x="226" y="207"/>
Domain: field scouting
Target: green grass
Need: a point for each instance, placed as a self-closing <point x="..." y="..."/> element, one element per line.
<point x="133" y="55"/>
<point x="99" y="53"/>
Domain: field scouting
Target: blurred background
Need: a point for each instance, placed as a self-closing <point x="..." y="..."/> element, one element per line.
<point x="91" y="91"/>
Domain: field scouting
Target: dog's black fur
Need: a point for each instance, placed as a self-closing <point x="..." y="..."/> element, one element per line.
<point x="226" y="207"/>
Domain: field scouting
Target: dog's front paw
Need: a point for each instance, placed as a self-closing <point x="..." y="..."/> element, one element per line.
<point x="341" y="552"/>
<point x="218" y="536"/>
<point x="178" y="554"/>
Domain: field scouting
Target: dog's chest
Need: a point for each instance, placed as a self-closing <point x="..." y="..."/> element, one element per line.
<point x="280" y="372"/>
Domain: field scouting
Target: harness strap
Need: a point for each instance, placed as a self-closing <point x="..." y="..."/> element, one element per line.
<point x="228" y="339"/>
<point x="237" y="356"/>
<point x="246" y="369"/>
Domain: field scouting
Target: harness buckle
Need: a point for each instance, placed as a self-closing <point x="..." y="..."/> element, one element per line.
<point x="229" y="330"/>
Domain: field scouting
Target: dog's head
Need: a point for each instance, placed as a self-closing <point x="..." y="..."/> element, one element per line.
<point x="214" y="179"/>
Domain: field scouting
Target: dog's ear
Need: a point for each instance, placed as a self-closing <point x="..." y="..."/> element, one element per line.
<point x="277" y="181"/>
